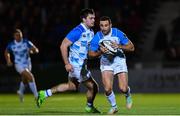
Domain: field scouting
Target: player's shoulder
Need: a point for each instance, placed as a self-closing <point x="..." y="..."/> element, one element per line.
<point x="118" y="32"/>
<point x="79" y="28"/>
<point x="11" y="43"/>
<point x="25" y="40"/>
<point x="98" y="35"/>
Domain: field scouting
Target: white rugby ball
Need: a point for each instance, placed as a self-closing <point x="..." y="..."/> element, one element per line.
<point x="108" y="45"/>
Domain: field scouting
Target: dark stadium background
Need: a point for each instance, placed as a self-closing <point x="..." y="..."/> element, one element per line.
<point x="152" y="25"/>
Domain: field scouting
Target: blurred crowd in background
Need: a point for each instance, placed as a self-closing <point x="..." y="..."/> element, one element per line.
<point x="46" y="23"/>
<point x="170" y="47"/>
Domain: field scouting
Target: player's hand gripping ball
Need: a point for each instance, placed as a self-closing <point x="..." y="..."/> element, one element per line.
<point x="110" y="49"/>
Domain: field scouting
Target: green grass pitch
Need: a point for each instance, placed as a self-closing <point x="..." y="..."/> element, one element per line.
<point x="73" y="104"/>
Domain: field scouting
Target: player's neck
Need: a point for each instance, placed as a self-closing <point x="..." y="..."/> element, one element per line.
<point x="18" y="41"/>
<point x="108" y="33"/>
<point x="87" y="27"/>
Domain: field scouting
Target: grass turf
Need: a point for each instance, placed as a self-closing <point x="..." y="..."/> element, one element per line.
<point x="73" y="104"/>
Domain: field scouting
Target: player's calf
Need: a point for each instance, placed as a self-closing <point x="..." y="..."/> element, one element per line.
<point x="21" y="96"/>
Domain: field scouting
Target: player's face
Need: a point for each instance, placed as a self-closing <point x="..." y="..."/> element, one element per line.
<point x="18" y="36"/>
<point x="105" y="27"/>
<point x="89" y="20"/>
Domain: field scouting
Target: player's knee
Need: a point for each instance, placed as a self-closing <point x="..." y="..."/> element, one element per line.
<point x="31" y="79"/>
<point x="28" y="76"/>
<point x="123" y="89"/>
<point x="72" y="86"/>
<point x="108" y="91"/>
<point x="93" y="87"/>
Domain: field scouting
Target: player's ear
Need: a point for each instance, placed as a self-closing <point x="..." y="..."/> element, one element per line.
<point x="84" y="19"/>
<point x="110" y="25"/>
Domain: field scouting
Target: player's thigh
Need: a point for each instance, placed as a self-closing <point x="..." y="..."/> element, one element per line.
<point x="27" y="75"/>
<point x="90" y="83"/>
<point x="73" y="83"/>
<point x="107" y="79"/>
<point x="24" y="80"/>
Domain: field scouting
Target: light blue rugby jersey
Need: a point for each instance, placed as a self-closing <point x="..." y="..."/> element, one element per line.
<point x="115" y="35"/>
<point x="80" y="37"/>
<point x="20" y="50"/>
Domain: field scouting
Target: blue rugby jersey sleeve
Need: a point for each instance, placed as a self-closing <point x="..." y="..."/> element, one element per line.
<point x="29" y="43"/>
<point x="74" y="35"/>
<point x="94" y="44"/>
<point x="123" y="39"/>
<point x="8" y="48"/>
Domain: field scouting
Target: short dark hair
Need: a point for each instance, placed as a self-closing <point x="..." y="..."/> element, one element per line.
<point x="84" y="13"/>
<point x="105" y="18"/>
<point x="17" y="31"/>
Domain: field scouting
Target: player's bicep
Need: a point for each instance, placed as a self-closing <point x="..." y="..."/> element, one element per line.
<point x="73" y="35"/>
<point x="127" y="42"/>
<point x="7" y="54"/>
<point x="30" y="44"/>
<point x="123" y="39"/>
<point x="94" y="44"/>
<point x="66" y="42"/>
<point x="129" y="46"/>
<point x="32" y="47"/>
<point x="93" y="47"/>
<point x="8" y="48"/>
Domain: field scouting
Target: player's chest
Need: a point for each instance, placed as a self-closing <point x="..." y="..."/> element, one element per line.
<point x="20" y="48"/>
<point x="110" y="38"/>
<point x="85" y="39"/>
<point x="87" y="36"/>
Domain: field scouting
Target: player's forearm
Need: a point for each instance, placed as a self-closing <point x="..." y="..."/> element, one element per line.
<point x="94" y="54"/>
<point x="128" y="47"/>
<point x="7" y="57"/>
<point x="34" y="50"/>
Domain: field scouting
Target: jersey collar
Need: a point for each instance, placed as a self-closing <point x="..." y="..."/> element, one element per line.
<point x="18" y="42"/>
<point x="84" y="27"/>
<point x="109" y="34"/>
